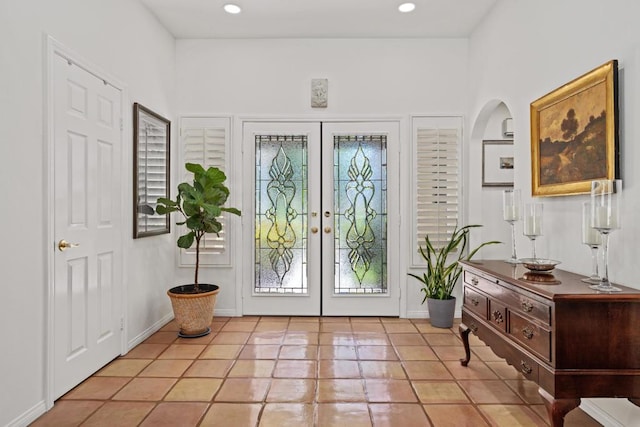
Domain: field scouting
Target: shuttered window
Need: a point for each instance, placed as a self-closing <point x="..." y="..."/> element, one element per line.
<point x="436" y="180"/>
<point x="205" y="140"/>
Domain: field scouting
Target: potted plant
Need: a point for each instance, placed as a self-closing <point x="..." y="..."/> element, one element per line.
<point x="442" y="275"/>
<point x="200" y="204"/>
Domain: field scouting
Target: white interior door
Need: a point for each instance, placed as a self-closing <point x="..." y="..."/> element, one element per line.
<point x="320" y="211"/>
<point x="87" y="294"/>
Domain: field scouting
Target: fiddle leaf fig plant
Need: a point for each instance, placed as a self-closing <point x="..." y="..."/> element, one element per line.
<point x="200" y="203"/>
<point x="441" y="276"/>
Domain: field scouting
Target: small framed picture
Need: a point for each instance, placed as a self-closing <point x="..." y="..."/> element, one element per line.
<point x="497" y="163"/>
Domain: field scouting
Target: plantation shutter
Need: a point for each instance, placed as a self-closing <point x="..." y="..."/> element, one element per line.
<point x="205" y="140"/>
<point x="437" y="178"/>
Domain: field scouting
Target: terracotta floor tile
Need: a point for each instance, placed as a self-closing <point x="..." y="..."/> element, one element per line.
<point x="336" y="327"/>
<point x="426" y="370"/>
<point x="147" y="389"/>
<point x="252" y="369"/>
<point x="340" y="390"/>
<point x="170" y="414"/>
<point x="182" y="351"/>
<point x="489" y="391"/>
<point x="232" y="414"/>
<point x="236" y="326"/>
<point x="337" y="352"/>
<point x="504" y="370"/>
<point x="476" y="370"/>
<point x="145" y="351"/>
<point x="343" y="414"/>
<point x="271" y="326"/>
<point x="67" y="413"/>
<point x="292" y="390"/>
<point x="167" y="337"/>
<point x="365" y="320"/>
<point x="389" y="391"/>
<point x="376" y="352"/>
<point x="194" y="390"/>
<point x="455" y="416"/>
<point x="97" y="388"/>
<point x="171" y="368"/>
<point x="221" y="351"/>
<point x="251" y="351"/>
<point x="298" y="352"/>
<point x="426" y="328"/>
<point x="336" y="338"/>
<point x="511" y="415"/>
<point x="439" y="392"/>
<point x="305" y="319"/>
<point x="444" y="339"/>
<point x="298" y="326"/>
<point x="123" y="368"/>
<point x="450" y="352"/>
<point x="367" y="327"/>
<point x="335" y="319"/>
<point x="283" y="414"/>
<point x="398" y="414"/>
<point x="415" y="352"/>
<point x="371" y="339"/>
<point x="231" y="338"/>
<point x="171" y="326"/>
<point x="263" y="338"/>
<point x="301" y="338"/>
<point x="407" y="339"/>
<point x="400" y="327"/>
<point x="217" y="325"/>
<point x="128" y="414"/>
<point x="382" y="369"/>
<point x="209" y="368"/>
<point x="243" y="390"/>
<point x="296" y="369"/>
<point x="204" y="340"/>
<point x="486" y="354"/>
<point x="338" y="369"/>
<point x="527" y="390"/>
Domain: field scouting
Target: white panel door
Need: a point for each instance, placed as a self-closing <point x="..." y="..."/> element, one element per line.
<point x="325" y="214"/>
<point x="87" y="277"/>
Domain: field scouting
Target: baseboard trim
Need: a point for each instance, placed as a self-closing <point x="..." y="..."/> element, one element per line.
<point x="599" y="414"/>
<point x="149" y="331"/>
<point x="29" y="416"/>
<point x="225" y="312"/>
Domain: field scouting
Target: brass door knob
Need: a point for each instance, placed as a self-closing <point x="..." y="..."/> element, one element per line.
<point x="314" y="230"/>
<point x="327" y="229"/>
<point x="64" y="245"/>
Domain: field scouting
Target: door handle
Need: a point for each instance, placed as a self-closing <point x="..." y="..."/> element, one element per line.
<point x="64" y="245"/>
<point x="327" y="230"/>
<point x="314" y="230"/>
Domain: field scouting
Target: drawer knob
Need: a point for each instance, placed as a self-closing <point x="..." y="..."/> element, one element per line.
<point x="474" y="280"/>
<point x="475" y="301"/>
<point x="527" y="306"/>
<point x="497" y="316"/>
<point x="526" y="369"/>
<point x="527" y="332"/>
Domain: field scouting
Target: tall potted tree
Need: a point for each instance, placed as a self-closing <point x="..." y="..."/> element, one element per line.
<point x="200" y="204"/>
<point x="442" y="274"/>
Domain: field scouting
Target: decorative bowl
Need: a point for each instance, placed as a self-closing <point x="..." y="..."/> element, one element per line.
<point x="539" y="264"/>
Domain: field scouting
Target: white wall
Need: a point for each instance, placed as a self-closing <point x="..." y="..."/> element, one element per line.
<point x="367" y="78"/>
<point x="124" y="40"/>
<point x="524" y="50"/>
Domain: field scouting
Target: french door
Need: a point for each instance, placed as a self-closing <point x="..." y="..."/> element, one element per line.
<point x="324" y="211"/>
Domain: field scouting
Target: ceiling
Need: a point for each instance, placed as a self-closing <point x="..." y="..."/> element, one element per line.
<point x="319" y="18"/>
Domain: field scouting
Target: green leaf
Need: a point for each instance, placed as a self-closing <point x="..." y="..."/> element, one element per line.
<point x="186" y="241"/>
<point x="194" y="168"/>
<point x="232" y="210"/>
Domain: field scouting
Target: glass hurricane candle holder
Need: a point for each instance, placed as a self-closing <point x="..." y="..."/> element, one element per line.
<point x="606" y="204"/>
<point x="592" y="238"/>
<point x="511" y="206"/>
<point x="532" y="227"/>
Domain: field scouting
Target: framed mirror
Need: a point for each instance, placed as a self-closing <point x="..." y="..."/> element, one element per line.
<point x="151" y="142"/>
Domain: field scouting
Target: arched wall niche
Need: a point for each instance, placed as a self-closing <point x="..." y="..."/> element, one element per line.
<point x="485" y="203"/>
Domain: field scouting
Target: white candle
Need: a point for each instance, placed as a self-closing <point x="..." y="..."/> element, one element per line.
<point x="532" y="226"/>
<point x="590" y="236"/>
<point x="511" y="213"/>
<point x="605" y="218"/>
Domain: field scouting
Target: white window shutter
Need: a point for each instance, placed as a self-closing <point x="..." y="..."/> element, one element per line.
<point x="205" y="140"/>
<point x="436" y="180"/>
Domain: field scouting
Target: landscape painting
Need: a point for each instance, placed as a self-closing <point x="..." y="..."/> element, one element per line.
<point x="574" y="134"/>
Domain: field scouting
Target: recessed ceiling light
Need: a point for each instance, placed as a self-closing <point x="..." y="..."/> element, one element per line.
<point x="234" y="9"/>
<point x="406" y="7"/>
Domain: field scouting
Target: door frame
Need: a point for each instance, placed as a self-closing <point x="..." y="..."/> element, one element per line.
<point x="52" y="48"/>
<point x="245" y="263"/>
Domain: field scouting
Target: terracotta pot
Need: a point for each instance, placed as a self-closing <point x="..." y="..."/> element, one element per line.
<point x="193" y="312"/>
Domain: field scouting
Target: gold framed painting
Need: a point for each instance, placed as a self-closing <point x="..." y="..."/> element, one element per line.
<point x="574" y="134"/>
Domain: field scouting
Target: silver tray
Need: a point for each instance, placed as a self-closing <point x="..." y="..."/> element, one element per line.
<point x="539" y="264"/>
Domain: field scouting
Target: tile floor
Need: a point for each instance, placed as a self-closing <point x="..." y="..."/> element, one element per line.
<point x="298" y="371"/>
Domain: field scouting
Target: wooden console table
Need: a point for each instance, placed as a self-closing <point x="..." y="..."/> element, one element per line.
<point x="572" y="341"/>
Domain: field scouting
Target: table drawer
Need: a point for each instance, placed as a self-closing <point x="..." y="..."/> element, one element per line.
<point x="498" y="315"/>
<point x="478" y="282"/>
<point x="475" y="302"/>
<point x="530" y="335"/>
<point x="528" y="305"/>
